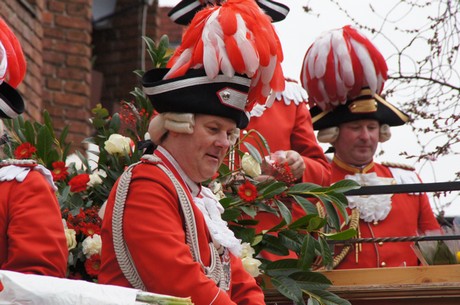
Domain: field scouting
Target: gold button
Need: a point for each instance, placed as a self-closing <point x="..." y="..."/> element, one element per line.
<point x="381" y="243"/>
<point x="383" y="264"/>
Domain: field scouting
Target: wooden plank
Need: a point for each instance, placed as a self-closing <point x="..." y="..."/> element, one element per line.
<point x="392" y="276"/>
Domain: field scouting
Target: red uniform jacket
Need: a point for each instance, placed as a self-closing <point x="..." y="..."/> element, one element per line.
<point x="410" y="215"/>
<point x="32" y="238"/>
<point x="154" y="232"/>
<point x="289" y="127"/>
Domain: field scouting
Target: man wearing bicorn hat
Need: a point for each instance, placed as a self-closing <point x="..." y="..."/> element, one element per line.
<point x="162" y="231"/>
<point x="32" y="238"/>
<point x="344" y="74"/>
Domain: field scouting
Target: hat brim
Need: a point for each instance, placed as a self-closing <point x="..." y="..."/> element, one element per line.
<point x="185" y="10"/>
<point x="194" y="92"/>
<point x="384" y="112"/>
<point x="11" y="102"/>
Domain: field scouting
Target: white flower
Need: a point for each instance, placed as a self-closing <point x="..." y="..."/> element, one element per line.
<point x="250" y="166"/>
<point x="92" y="245"/>
<point x="247" y="250"/>
<point x="95" y="178"/>
<point x="117" y="144"/>
<point x="217" y="189"/>
<point x="70" y="236"/>
<point x="251" y="265"/>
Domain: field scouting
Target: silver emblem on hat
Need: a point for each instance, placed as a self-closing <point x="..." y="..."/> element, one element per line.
<point x="233" y="98"/>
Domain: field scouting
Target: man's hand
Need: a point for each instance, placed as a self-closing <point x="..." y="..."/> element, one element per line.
<point x="295" y="163"/>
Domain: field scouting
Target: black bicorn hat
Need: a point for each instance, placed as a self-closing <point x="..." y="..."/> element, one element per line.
<point x="185" y="10"/>
<point x="11" y="102"/>
<point x="366" y="105"/>
<point x="195" y="92"/>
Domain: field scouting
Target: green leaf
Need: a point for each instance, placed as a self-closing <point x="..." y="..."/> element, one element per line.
<point x="288" y="288"/>
<point x="342" y="235"/>
<point x="326" y="252"/>
<point x="307" y="253"/>
<point x="253" y="152"/>
<point x="345" y="185"/>
<point x="285" y="213"/>
<point x="325" y="297"/>
<point x="306" y="205"/>
<point x="44" y="146"/>
<point x="273" y="189"/>
<point x="310" y="280"/>
<point x="280" y="267"/>
<point x="29" y="133"/>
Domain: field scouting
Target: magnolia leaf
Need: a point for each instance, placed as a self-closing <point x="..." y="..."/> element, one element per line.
<point x="273" y="245"/>
<point x="285" y="213"/>
<point x="288" y="288"/>
<point x="304" y="189"/>
<point x="253" y="152"/>
<point x="332" y="215"/>
<point x="48" y="122"/>
<point x="115" y="123"/>
<point x="291" y="239"/>
<point x="260" y="141"/>
<point x="283" y="267"/>
<point x="326" y="252"/>
<point x="249" y="211"/>
<point x="306" y="205"/>
<point x="345" y="185"/>
<point x="307" y="253"/>
<point x="310" y="280"/>
<point x="45" y="145"/>
<point x="231" y="214"/>
<point x="316" y="223"/>
<point x="342" y="235"/>
<point x="29" y="134"/>
<point x="340" y="202"/>
<point x="325" y="297"/>
<point x="273" y="189"/>
<point x="302" y="222"/>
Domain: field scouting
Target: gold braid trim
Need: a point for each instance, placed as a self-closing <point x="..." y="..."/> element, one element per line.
<point x="354" y="224"/>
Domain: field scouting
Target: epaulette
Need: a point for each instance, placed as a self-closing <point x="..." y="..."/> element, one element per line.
<point x="19" y="162"/>
<point x="398" y="165"/>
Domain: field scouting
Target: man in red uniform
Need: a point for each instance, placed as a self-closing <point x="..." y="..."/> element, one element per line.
<point x="162" y="230"/>
<point x="287" y="128"/>
<point x="351" y="115"/>
<point x="32" y="238"/>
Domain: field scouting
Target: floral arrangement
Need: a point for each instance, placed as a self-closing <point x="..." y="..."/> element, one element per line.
<point x="84" y="183"/>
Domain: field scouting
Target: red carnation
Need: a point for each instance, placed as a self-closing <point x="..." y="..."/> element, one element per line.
<point x="79" y="183"/>
<point x="24" y="151"/>
<point x="59" y="171"/>
<point x="247" y="191"/>
<point x="93" y="265"/>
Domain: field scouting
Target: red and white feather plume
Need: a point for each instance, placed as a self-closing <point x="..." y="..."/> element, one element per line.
<point x="338" y="65"/>
<point x="12" y="61"/>
<point x="236" y="37"/>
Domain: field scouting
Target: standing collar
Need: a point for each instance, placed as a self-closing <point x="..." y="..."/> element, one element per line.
<point x="351" y="168"/>
<point x="193" y="187"/>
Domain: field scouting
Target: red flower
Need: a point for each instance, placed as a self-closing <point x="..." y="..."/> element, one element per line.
<point x="24" y="151"/>
<point x="93" y="265"/>
<point x="89" y="229"/>
<point x="79" y="183"/>
<point x="59" y="171"/>
<point x="247" y="191"/>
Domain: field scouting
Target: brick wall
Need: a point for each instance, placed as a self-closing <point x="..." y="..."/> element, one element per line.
<point x="55" y="36"/>
<point x="67" y="64"/>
